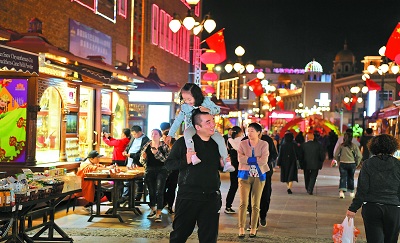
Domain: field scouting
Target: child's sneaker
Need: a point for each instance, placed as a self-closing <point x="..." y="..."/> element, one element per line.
<point x="195" y="159"/>
<point x="228" y="167"/>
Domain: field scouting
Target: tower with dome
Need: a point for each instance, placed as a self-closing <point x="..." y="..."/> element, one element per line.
<point x="345" y="63"/>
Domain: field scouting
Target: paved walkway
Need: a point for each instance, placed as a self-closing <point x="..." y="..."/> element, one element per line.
<point x="292" y="218"/>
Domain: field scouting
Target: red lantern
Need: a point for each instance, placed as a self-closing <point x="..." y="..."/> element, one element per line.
<point x="210" y="57"/>
<point x="209" y="89"/>
<point x="210" y="76"/>
<point x="256" y="86"/>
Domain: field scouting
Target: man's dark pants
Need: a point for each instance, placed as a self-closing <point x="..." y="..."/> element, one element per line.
<point x="188" y="212"/>
<point x="310" y="177"/>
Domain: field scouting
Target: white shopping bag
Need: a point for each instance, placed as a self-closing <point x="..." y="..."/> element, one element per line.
<point x="348" y="230"/>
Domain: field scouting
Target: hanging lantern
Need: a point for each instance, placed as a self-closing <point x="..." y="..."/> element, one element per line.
<point x="209" y="90"/>
<point x="210" y="76"/>
<point x="210" y="57"/>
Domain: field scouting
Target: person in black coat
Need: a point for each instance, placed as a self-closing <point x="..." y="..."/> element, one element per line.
<point x="288" y="154"/>
<point x="312" y="160"/>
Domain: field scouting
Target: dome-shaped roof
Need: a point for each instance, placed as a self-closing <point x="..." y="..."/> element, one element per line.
<point x="313" y="66"/>
<point x="284" y="77"/>
<point x="344" y="55"/>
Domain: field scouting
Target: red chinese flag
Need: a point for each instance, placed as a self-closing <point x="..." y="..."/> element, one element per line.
<point x="256" y="86"/>
<point x="216" y="42"/>
<point x="393" y="44"/>
<point x="372" y="85"/>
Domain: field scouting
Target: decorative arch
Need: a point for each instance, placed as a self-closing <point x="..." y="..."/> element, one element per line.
<point x="318" y="123"/>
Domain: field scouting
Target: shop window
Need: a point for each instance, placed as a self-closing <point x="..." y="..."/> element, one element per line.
<point x="48" y="127"/>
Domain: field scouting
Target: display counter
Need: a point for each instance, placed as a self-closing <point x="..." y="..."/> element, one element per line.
<point x="20" y="210"/>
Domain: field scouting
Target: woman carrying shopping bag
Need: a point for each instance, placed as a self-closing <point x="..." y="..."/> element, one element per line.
<point x="378" y="191"/>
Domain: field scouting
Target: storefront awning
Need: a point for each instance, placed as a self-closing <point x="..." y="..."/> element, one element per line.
<point x="389" y="112"/>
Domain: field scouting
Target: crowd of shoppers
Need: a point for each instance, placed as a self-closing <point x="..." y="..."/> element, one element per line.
<point x="193" y="165"/>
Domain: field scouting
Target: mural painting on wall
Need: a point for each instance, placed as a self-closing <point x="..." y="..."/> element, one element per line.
<point x="13" y="98"/>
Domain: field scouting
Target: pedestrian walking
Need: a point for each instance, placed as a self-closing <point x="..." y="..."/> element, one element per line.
<point x="364" y="143"/>
<point x="198" y="199"/>
<point x="289" y="153"/>
<point x="153" y="156"/>
<point x="233" y="145"/>
<point x="378" y="191"/>
<point x="193" y="99"/>
<point x="253" y="164"/>
<point x="312" y="161"/>
<point x="349" y="156"/>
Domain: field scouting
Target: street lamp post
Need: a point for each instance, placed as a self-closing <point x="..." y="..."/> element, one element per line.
<point x="195" y="27"/>
<point x="382" y="70"/>
<point x="239" y="69"/>
<point x="355" y="90"/>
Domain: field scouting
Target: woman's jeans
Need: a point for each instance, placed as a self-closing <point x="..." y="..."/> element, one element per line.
<point x="347" y="171"/>
<point x="155" y="178"/>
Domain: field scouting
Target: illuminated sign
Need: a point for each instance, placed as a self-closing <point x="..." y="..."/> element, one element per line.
<point x="282" y="115"/>
<point x="323" y="99"/>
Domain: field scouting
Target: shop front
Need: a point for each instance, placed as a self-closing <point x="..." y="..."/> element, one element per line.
<point x="387" y="122"/>
<point x="63" y="110"/>
<point x="74" y="113"/>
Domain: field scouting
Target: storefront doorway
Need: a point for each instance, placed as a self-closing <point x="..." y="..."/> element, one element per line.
<point x="48" y="126"/>
<point x="86" y="134"/>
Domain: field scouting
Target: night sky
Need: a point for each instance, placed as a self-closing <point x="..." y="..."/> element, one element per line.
<point x="293" y="32"/>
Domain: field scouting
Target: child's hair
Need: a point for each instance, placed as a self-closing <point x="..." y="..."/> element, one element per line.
<point x="195" y="91"/>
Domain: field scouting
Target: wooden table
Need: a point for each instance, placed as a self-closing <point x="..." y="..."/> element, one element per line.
<point x="22" y="209"/>
<point x="118" y="183"/>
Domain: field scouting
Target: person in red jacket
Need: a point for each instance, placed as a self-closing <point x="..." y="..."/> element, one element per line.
<point x="119" y="146"/>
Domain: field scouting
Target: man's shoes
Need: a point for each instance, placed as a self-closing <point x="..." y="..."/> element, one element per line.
<point x="195" y="159"/>
<point x="228" y="167"/>
<point x="352" y="195"/>
<point x="341" y="195"/>
<point x="289" y="191"/>
<point x="309" y="192"/>
<point x="158" y="218"/>
<point x="170" y="211"/>
<point x="152" y="215"/>
<point x="229" y="211"/>
<point x="263" y="222"/>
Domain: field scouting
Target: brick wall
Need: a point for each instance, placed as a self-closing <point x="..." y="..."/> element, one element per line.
<point x="55" y="15"/>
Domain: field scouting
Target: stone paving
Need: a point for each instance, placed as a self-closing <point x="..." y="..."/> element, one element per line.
<point x="298" y="217"/>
